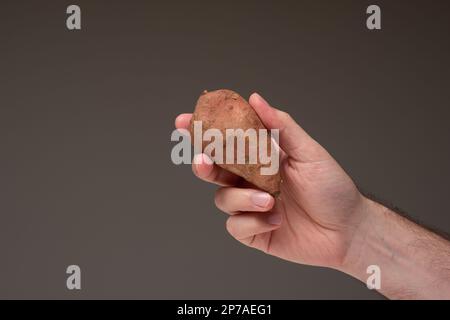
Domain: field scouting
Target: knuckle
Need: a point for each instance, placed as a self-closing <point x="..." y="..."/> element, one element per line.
<point x="285" y="116"/>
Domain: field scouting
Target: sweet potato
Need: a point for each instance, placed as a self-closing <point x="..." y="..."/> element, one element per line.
<point x="225" y="109"/>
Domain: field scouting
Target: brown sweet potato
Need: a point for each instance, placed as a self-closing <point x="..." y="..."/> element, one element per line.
<point x="225" y="109"/>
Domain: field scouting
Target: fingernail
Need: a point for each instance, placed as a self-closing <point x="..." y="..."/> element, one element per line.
<point x="275" y="219"/>
<point x="261" y="199"/>
<point x="260" y="98"/>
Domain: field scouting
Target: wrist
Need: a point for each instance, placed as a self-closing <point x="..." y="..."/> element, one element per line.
<point x="404" y="253"/>
<point x="363" y="243"/>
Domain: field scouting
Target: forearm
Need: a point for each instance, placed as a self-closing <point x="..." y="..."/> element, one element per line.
<point x="414" y="262"/>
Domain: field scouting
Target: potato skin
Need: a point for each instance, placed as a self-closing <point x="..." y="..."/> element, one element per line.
<point x="225" y="109"/>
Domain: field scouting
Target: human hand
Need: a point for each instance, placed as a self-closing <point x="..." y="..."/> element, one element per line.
<point x="318" y="211"/>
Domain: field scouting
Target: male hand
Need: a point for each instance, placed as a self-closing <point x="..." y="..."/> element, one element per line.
<point x="319" y="208"/>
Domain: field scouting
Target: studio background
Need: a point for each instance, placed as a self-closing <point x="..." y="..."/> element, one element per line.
<point x="86" y="117"/>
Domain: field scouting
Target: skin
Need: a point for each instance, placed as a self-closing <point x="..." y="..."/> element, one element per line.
<point x="322" y="219"/>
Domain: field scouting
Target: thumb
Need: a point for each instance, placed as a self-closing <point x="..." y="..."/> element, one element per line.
<point x="293" y="139"/>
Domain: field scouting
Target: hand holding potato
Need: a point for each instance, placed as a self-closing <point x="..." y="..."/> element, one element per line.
<point x="320" y="218"/>
<point x="317" y="212"/>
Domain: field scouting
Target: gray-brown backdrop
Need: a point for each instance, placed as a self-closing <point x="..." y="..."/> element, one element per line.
<point x="86" y="117"/>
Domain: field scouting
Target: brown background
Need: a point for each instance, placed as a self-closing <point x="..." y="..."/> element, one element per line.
<point x="86" y="118"/>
